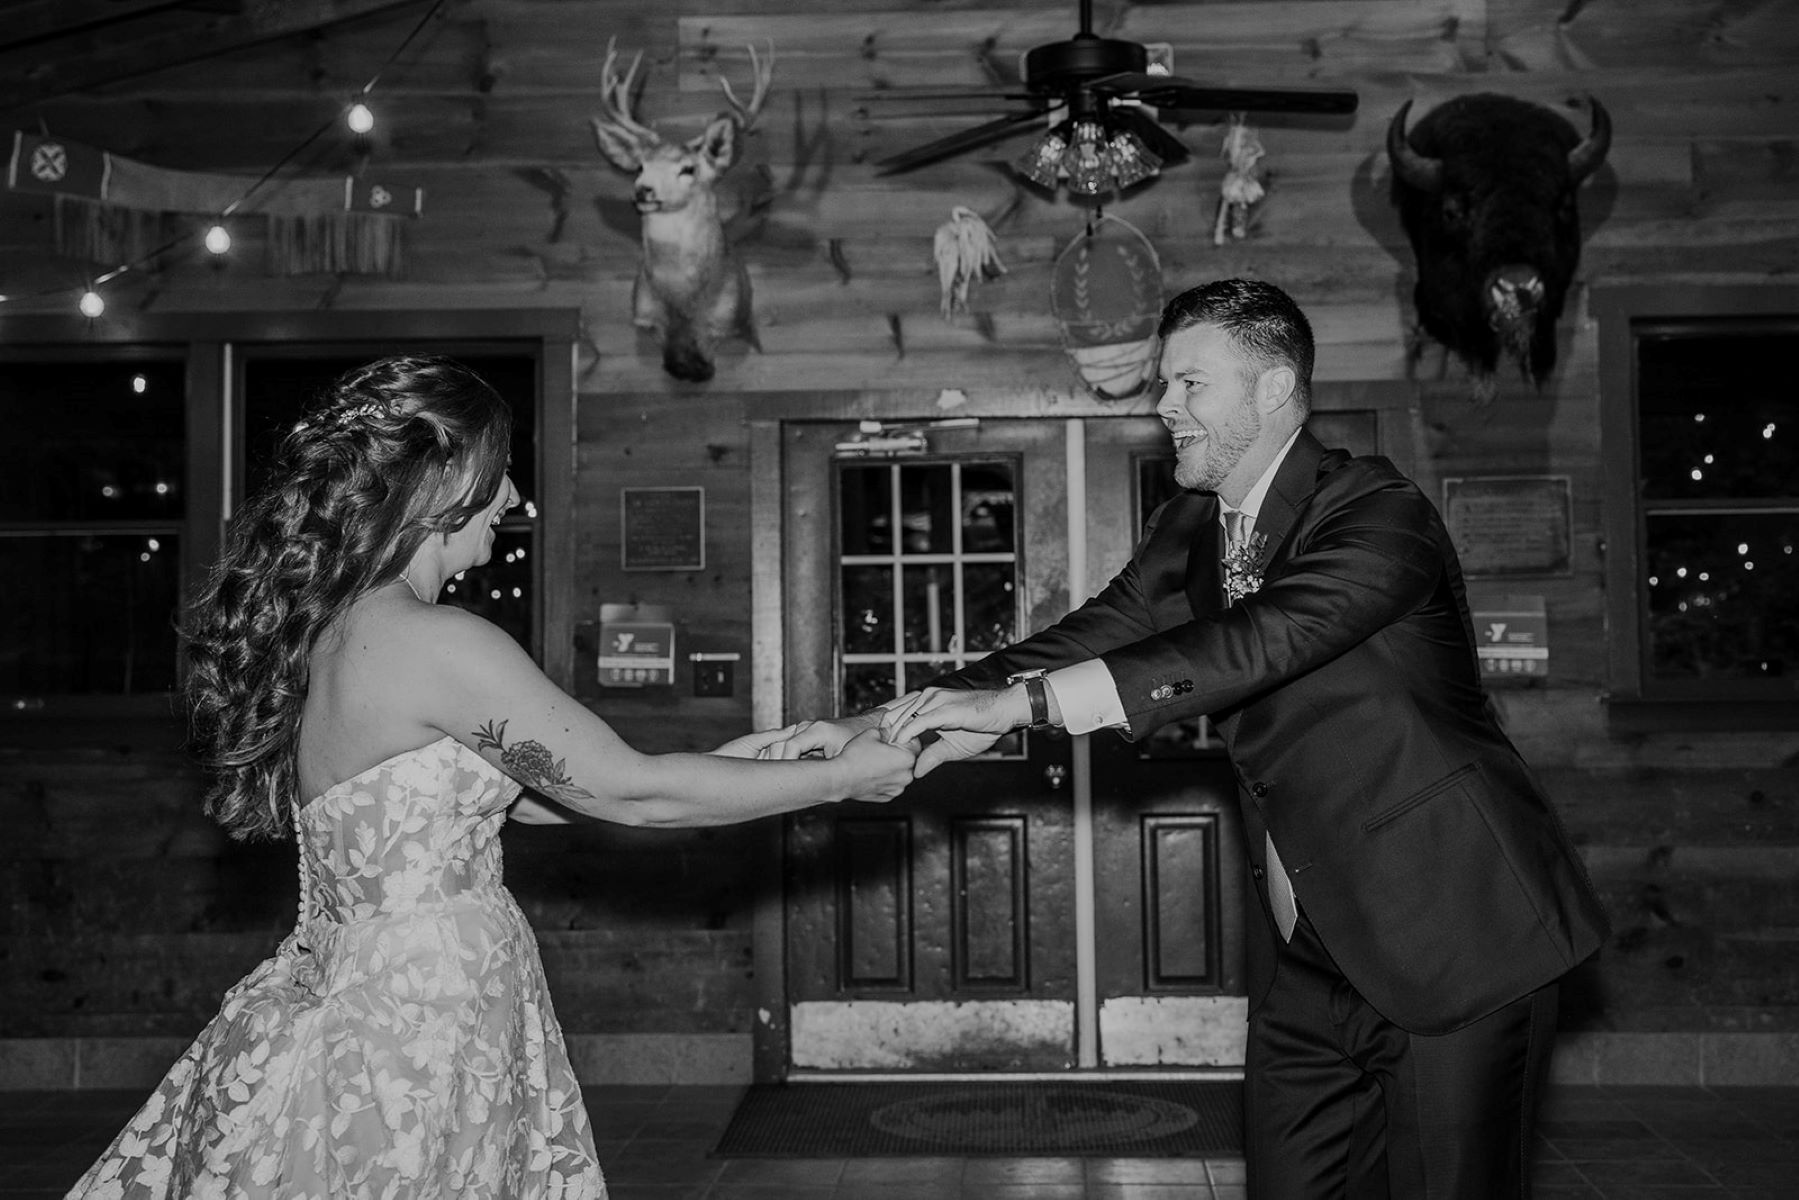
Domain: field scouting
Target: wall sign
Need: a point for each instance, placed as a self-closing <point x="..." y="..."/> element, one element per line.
<point x="1510" y="524"/>
<point x="1511" y="638"/>
<point x="662" y="528"/>
<point x="637" y="646"/>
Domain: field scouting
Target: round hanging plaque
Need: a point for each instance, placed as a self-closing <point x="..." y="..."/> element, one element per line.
<point x="1107" y="295"/>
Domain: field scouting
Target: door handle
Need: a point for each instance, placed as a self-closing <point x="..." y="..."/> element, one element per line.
<point x="1054" y="775"/>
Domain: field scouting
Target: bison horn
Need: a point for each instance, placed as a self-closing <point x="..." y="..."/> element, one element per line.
<point x="1417" y="170"/>
<point x="1585" y="158"/>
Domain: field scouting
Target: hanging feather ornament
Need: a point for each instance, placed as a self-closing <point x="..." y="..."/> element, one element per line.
<point x="965" y="253"/>
<point x="1242" y="149"/>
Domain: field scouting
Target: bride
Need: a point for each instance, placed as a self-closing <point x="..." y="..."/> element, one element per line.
<point x="401" y="1041"/>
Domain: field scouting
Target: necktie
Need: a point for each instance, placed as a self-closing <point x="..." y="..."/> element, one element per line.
<point x="1280" y="888"/>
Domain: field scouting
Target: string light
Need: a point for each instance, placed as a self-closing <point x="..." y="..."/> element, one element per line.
<point x="217" y="238"/>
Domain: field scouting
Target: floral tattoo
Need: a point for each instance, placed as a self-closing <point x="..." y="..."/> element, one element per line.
<point x="532" y="764"/>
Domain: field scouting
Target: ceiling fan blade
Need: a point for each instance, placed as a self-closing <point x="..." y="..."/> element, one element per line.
<point x="947" y="94"/>
<point x="1164" y="145"/>
<point x="955" y="143"/>
<point x="1170" y="91"/>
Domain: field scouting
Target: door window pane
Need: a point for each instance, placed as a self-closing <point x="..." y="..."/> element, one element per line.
<point x="88" y="613"/>
<point x="925" y="506"/>
<point x="956" y="564"/>
<point x="988" y="502"/>
<point x="92" y="441"/>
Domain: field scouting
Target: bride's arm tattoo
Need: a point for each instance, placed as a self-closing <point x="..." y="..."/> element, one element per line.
<point x="532" y="764"/>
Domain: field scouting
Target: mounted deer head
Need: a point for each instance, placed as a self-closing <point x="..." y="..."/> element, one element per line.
<point x="691" y="287"/>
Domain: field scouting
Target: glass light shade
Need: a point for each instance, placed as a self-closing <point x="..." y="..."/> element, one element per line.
<point x="1132" y="161"/>
<point x="1042" y="163"/>
<point x="1088" y="160"/>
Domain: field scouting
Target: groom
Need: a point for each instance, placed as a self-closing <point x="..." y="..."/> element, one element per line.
<point x="1420" y="898"/>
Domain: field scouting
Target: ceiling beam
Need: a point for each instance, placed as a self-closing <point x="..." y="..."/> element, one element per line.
<point x="63" y="46"/>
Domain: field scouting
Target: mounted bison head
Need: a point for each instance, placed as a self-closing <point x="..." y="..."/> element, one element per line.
<point x="1485" y="187"/>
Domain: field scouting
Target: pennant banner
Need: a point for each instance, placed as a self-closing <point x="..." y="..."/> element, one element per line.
<point x="340" y="224"/>
<point x="44" y="164"/>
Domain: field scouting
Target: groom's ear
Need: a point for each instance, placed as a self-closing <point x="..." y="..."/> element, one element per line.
<point x="1275" y="387"/>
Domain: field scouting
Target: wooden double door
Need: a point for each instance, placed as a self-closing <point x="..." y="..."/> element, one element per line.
<point x="1058" y="903"/>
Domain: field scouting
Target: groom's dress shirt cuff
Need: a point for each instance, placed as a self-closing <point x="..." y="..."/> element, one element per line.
<point x="1087" y="697"/>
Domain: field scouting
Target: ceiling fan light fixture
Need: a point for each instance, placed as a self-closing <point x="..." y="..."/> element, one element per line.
<point x="1132" y="161"/>
<point x="1088" y="160"/>
<point x="1042" y="163"/>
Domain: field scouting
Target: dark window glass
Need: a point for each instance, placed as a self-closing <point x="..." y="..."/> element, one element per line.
<point x="1718" y="485"/>
<point x="1718" y="415"/>
<point x="88" y="613"/>
<point x="92" y="441"/>
<point x="1721" y="595"/>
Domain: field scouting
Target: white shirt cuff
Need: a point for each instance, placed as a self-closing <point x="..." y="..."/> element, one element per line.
<point x="1087" y="697"/>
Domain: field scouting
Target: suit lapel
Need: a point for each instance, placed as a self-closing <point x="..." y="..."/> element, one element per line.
<point x="1292" y="487"/>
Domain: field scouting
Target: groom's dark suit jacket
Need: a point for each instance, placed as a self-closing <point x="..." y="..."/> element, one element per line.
<point x="1348" y="692"/>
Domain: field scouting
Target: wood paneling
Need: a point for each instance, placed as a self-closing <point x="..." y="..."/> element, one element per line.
<point x="488" y="110"/>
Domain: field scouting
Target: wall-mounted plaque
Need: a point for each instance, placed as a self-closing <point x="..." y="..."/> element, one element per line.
<point x="662" y="528"/>
<point x="1510" y="524"/>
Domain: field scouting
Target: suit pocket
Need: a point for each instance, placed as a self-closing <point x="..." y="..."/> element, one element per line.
<point x="1416" y="798"/>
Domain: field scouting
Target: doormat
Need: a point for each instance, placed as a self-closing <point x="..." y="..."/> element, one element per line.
<point x="1063" y="1119"/>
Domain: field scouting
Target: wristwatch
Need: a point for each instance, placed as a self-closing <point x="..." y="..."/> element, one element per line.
<point x="1037" y="691"/>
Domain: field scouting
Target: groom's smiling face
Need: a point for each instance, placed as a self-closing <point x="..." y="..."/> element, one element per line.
<point x="1208" y="403"/>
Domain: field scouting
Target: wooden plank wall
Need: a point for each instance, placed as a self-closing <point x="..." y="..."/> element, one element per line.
<point x="488" y="111"/>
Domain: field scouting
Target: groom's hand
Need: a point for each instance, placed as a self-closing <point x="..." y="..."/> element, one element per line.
<point x="966" y="722"/>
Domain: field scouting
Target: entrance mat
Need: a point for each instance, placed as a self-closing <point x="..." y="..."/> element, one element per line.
<point x="1063" y="1119"/>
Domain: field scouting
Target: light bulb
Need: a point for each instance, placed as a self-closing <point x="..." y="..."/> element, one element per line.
<point x="91" y="305"/>
<point x="1132" y="161"/>
<point x="1087" y="161"/>
<point x="1042" y="163"/>
<point x="218" y="239"/>
<point x="361" y="120"/>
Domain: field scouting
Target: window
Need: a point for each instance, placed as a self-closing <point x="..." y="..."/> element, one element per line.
<point x="1701" y="426"/>
<point x="129" y="443"/>
<point x="93" y="506"/>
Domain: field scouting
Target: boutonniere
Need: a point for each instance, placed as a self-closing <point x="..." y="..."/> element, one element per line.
<point x="1243" y="567"/>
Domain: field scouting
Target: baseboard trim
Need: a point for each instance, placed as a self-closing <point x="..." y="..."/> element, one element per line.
<point x="1614" y="1059"/>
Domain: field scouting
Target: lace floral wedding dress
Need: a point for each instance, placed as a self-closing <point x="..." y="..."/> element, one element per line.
<point x="400" y="1043"/>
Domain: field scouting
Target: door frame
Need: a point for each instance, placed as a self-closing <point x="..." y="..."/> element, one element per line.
<point x="1396" y="403"/>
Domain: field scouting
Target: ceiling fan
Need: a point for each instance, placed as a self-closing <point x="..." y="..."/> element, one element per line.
<point x="1104" y="85"/>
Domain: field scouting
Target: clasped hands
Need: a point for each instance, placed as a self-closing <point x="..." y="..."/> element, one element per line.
<point x="964" y="722"/>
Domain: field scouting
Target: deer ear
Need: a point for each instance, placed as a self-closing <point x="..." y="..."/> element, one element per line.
<point x="621" y="149"/>
<point x="719" y="143"/>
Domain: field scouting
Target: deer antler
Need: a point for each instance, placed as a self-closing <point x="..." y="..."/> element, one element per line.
<point x="616" y="100"/>
<point x="762" y="70"/>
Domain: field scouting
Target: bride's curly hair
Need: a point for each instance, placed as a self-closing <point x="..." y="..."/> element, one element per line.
<point x="397" y="451"/>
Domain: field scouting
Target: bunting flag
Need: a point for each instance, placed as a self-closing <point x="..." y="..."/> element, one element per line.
<point x="111" y="209"/>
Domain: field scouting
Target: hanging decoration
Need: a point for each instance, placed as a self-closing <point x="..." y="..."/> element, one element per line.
<point x="1107" y="294"/>
<point x="111" y="209"/>
<point x="965" y="252"/>
<point x="1241" y="190"/>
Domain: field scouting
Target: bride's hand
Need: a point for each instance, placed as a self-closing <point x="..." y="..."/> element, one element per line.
<point x="751" y="745"/>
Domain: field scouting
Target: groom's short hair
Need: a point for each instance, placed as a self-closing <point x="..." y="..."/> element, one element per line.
<point x="1261" y="320"/>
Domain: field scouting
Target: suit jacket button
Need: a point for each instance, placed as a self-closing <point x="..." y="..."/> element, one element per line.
<point x="1257" y="872"/>
<point x="1258" y="789"/>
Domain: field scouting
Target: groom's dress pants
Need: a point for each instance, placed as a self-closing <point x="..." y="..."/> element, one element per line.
<point x="1340" y="1102"/>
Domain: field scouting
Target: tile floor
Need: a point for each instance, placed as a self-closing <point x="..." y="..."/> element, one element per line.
<point x="1612" y="1143"/>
